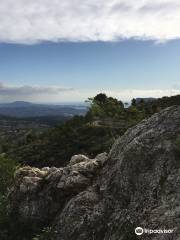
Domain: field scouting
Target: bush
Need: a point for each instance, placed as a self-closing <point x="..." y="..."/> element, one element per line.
<point x="7" y="168"/>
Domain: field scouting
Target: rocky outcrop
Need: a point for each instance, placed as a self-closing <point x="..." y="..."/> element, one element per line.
<point x="106" y="198"/>
<point x="39" y="194"/>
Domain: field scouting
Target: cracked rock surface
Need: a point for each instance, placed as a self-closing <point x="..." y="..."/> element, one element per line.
<point x="106" y="198"/>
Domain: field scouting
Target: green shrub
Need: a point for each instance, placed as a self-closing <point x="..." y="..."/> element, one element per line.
<point x="7" y="168"/>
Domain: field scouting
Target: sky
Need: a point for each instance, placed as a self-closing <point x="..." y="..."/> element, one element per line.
<point x="69" y="50"/>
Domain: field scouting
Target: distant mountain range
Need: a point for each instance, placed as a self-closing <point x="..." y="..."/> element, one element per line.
<point x="17" y="104"/>
<point x="23" y="109"/>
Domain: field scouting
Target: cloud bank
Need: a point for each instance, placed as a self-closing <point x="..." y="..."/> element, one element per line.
<point x="29" y="21"/>
<point x="9" y="93"/>
<point x="31" y="93"/>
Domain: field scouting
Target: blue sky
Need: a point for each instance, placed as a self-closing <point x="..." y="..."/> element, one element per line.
<point x="47" y="57"/>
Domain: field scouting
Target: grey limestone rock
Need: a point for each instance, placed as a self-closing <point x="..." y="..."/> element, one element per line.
<point x="106" y="198"/>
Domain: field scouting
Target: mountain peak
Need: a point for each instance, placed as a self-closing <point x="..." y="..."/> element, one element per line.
<point x="21" y="103"/>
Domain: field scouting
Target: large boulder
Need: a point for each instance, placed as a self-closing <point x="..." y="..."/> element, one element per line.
<point x="106" y="198"/>
<point x="39" y="194"/>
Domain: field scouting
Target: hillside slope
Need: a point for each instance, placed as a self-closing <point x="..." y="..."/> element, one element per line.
<point x="106" y="198"/>
<point x="105" y="121"/>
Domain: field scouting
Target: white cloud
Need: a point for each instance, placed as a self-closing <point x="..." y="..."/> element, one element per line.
<point x="9" y="93"/>
<point x="32" y="21"/>
<point x="31" y="93"/>
<point x="128" y="94"/>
